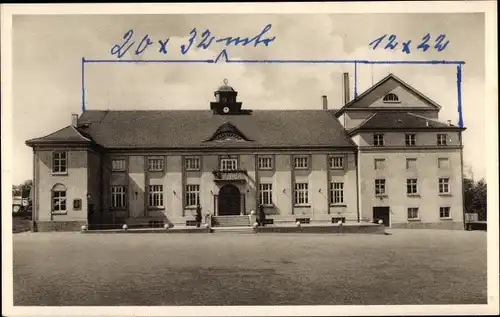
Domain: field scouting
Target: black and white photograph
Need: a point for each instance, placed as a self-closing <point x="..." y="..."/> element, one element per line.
<point x="250" y="159"/>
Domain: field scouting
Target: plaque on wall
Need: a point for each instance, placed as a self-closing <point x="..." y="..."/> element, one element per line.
<point x="77" y="204"/>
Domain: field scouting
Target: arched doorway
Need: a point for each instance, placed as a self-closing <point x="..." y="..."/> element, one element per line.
<point x="229" y="200"/>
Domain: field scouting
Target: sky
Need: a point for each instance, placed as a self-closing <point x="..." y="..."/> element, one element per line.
<point x="48" y="49"/>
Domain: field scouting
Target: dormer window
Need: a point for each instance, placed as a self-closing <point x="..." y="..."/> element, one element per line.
<point x="391" y="98"/>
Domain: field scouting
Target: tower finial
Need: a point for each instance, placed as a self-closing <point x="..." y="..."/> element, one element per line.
<point x="225" y="81"/>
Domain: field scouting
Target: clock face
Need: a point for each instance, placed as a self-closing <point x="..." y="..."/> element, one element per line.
<point x="225" y="109"/>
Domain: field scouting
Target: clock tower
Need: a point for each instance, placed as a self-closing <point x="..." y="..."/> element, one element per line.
<point x="225" y="101"/>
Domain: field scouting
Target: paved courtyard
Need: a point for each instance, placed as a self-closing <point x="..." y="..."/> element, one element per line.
<point x="406" y="267"/>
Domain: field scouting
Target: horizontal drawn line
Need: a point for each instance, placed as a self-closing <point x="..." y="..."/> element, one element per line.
<point x="274" y="61"/>
<point x="208" y="61"/>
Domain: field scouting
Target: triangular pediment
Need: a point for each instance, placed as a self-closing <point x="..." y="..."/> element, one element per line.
<point x="228" y="132"/>
<point x="391" y="93"/>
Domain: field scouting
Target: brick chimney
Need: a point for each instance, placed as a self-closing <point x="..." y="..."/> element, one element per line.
<point x="325" y="102"/>
<point x="345" y="86"/>
<point x="74" y="119"/>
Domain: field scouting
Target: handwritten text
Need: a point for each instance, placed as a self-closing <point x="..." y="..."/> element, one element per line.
<point x="391" y="43"/>
<point x="196" y="39"/>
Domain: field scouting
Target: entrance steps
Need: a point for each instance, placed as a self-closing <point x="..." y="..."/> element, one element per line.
<point x="233" y="230"/>
<point x="231" y="221"/>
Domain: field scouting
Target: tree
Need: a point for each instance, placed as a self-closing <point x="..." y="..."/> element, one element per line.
<point x="16" y="191"/>
<point x="25" y="188"/>
<point x="475" y="197"/>
<point x="479" y="203"/>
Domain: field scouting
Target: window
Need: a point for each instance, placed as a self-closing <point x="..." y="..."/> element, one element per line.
<point x="228" y="164"/>
<point x="413" y="213"/>
<point x="77" y="204"/>
<point x="336" y="193"/>
<point x="59" y="199"/>
<point x="155" y="164"/>
<point x="301" y="162"/>
<point x="380" y="187"/>
<point x="59" y="163"/>
<point x="441" y="139"/>
<point x="336" y="162"/>
<point x="301" y="195"/>
<point x="265" y="163"/>
<point x="391" y="98"/>
<point x="444" y="185"/>
<point x="411" y="186"/>
<point x="118" y="165"/>
<point x="411" y="163"/>
<point x="118" y="196"/>
<point x="155" y="196"/>
<point x="192" y="195"/>
<point x="444" y="212"/>
<point x="192" y="163"/>
<point x="266" y="194"/>
<point x="379" y="164"/>
<point x="443" y="162"/>
<point x="378" y="139"/>
<point x="410" y="139"/>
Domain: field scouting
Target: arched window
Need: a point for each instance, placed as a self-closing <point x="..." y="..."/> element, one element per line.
<point x="227" y="136"/>
<point x="391" y="98"/>
<point x="59" y="198"/>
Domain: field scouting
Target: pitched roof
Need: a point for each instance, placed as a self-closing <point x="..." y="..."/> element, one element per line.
<point x="192" y="129"/>
<point x="68" y="134"/>
<point x="380" y="83"/>
<point x="400" y="120"/>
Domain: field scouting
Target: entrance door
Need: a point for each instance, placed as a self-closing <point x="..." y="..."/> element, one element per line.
<point x="229" y="200"/>
<point x="381" y="213"/>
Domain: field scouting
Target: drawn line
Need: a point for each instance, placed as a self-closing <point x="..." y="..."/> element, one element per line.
<point x="83" y="84"/>
<point x="271" y="61"/>
<point x="223" y="54"/>
<point x="209" y="61"/>
<point x="459" y="95"/>
<point x="355" y="80"/>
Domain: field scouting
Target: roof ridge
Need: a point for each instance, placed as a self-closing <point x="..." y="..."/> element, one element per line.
<point x="383" y="80"/>
<point x="364" y="121"/>
<point x="51" y="133"/>
<point x="420" y="116"/>
<point x="80" y="134"/>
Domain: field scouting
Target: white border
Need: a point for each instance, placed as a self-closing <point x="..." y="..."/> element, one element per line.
<point x="491" y="115"/>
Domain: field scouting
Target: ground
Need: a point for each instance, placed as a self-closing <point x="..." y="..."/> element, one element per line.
<point x="406" y="267"/>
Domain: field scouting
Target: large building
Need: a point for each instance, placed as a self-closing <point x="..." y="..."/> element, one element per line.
<point x="383" y="155"/>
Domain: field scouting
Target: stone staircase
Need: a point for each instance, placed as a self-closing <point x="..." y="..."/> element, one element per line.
<point x="231" y="221"/>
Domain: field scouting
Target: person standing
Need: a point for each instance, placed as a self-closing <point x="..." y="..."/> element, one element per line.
<point x="198" y="216"/>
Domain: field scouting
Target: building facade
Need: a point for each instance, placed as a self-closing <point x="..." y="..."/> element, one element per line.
<point x="383" y="155"/>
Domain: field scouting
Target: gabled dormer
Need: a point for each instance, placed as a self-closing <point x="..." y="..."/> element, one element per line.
<point x="228" y="132"/>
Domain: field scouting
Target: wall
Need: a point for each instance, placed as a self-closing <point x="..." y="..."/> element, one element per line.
<point x="427" y="172"/>
<point x="398" y="138"/>
<point x="174" y="180"/>
<point x="349" y="209"/>
<point x="94" y="176"/>
<point x="75" y="182"/>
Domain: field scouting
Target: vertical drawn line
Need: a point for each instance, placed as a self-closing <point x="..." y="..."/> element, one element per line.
<point x="83" y="84"/>
<point x="355" y="80"/>
<point x="371" y="70"/>
<point x="459" y="95"/>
